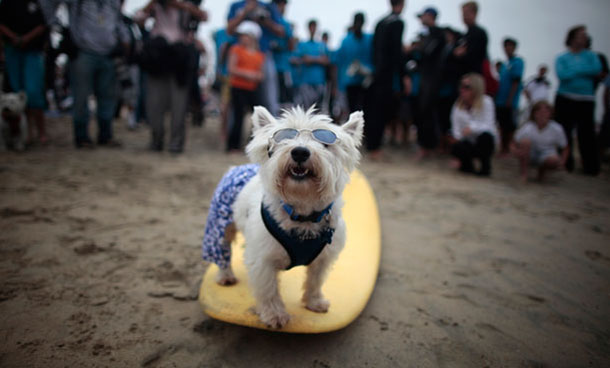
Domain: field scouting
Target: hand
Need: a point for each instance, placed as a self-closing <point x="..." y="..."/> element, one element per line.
<point x="460" y="51"/>
<point x="466" y="131"/>
<point x="250" y="5"/>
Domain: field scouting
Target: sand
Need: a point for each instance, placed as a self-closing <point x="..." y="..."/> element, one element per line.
<point x="100" y="265"/>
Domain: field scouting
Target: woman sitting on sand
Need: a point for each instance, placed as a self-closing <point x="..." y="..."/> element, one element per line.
<point x="539" y="140"/>
<point x="473" y="125"/>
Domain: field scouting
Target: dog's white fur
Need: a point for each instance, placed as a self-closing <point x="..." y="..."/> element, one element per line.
<point x="331" y="165"/>
<point x="12" y="105"/>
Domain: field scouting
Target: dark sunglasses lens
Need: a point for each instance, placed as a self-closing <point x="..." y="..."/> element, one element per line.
<point x="280" y="135"/>
<point x="324" y="136"/>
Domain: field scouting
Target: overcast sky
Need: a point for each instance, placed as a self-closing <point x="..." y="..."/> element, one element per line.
<point x="540" y="26"/>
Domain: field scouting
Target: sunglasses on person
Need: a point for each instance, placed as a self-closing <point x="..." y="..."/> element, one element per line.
<point x="465" y="86"/>
<point x="323" y="136"/>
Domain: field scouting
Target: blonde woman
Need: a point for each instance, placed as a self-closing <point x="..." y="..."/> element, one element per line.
<point x="473" y="125"/>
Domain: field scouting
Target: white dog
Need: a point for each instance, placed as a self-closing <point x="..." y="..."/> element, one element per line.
<point x="13" y="123"/>
<point x="289" y="204"/>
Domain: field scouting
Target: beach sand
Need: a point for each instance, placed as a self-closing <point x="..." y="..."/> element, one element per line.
<point x="100" y="265"/>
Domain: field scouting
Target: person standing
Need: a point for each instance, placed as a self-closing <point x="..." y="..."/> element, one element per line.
<point x="575" y="101"/>
<point x="539" y="87"/>
<point x="246" y="72"/>
<point x="472" y="48"/>
<point x="97" y="32"/>
<point x="473" y="125"/>
<point x="355" y="64"/>
<point x="169" y="65"/>
<point x="314" y="58"/>
<point x="509" y="92"/>
<point x="387" y="62"/>
<point x="268" y="18"/>
<point x="282" y="48"/>
<point x="431" y="51"/>
<point x="23" y="29"/>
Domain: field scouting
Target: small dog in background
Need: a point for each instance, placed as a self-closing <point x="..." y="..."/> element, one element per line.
<point x="288" y="205"/>
<point x="13" y="123"/>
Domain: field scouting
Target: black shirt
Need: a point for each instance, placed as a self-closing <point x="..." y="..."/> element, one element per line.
<point x="22" y="16"/>
<point x="387" y="47"/>
<point x="476" y="52"/>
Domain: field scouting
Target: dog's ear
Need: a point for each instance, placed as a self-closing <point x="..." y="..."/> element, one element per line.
<point x="261" y="117"/>
<point x="354" y="126"/>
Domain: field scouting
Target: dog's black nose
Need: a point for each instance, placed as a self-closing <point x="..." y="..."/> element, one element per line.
<point x="300" y="154"/>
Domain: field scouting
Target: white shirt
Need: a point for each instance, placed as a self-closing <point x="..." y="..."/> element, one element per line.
<point x="538" y="90"/>
<point x="548" y="139"/>
<point x="479" y="121"/>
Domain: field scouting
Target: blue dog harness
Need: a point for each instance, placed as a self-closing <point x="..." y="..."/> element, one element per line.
<point x="302" y="251"/>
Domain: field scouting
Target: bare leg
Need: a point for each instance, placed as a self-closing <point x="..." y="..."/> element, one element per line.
<point x="522" y="151"/>
<point x="550" y="163"/>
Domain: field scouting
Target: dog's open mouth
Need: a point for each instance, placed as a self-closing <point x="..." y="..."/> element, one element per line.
<point x="299" y="172"/>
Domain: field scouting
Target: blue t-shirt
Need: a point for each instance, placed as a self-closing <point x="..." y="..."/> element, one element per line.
<point x="222" y="38"/>
<point x="353" y="49"/>
<point x="510" y="72"/>
<point x="576" y="72"/>
<point x="280" y="48"/>
<point x="267" y="34"/>
<point x="312" y="74"/>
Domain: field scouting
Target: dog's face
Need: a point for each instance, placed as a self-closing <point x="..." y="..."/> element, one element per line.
<point x="304" y="157"/>
<point x="12" y="104"/>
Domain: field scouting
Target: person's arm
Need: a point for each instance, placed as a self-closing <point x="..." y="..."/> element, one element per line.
<point x="566" y="71"/>
<point x="32" y="35"/>
<point x="456" y="126"/>
<point x="190" y="8"/>
<point x="516" y="75"/>
<point x="235" y="17"/>
<point x="12" y="37"/>
<point x="273" y="22"/>
<point x="143" y="14"/>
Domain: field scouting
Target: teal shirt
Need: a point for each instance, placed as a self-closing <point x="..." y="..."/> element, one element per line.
<point x="576" y="72"/>
<point x="509" y="72"/>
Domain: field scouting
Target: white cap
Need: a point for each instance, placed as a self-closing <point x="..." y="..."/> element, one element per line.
<point x="250" y="28"/>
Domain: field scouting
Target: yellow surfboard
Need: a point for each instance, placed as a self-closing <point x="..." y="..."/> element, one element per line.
<point x="349" y="285"/>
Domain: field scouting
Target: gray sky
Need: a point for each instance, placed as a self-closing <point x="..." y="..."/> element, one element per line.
<point x="540" y="26"/>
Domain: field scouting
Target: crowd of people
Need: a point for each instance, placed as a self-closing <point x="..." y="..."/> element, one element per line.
<point x="443" y="83"/>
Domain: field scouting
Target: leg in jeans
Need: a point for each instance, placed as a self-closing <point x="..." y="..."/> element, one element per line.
<point x="464" y="151"/>
<point x="179" y="101"/>
<point x="269" y="86"/>
<point x="587" y="143"/>
<point x="238" y="100"/>
<point x="157" y="99"/>
<point x="82" y="87"/>
<point x="105" y="93"/>
<point x="484" y="148"/>
<point x="564" y="115"/>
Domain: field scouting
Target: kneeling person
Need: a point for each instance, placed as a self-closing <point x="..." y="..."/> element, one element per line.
<point x="539" y="141"/>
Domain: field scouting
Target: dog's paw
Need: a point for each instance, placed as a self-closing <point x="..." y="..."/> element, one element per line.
<point x="274" y="319"/>
<point x="318" y="305"/>
<point x="226" y="278"/>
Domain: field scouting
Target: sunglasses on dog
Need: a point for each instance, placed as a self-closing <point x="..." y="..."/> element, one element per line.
<point x="323" y="136"/>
